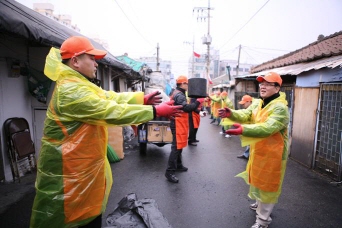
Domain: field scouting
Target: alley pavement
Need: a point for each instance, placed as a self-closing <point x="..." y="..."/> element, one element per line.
<point x="208" y="195"/>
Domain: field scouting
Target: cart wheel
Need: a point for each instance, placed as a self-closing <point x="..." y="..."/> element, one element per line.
<point x="160" y="144"/>
<point x="143" y="147"/>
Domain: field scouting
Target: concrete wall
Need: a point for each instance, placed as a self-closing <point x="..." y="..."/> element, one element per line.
<point x="15" y="101"/>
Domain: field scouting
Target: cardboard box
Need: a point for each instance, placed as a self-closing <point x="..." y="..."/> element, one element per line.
<point x="167" y="134"/>
<point x="115" y="139"/>
<point x="155" y="133"/>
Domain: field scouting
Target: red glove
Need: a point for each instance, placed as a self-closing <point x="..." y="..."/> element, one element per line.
<point x="153" y="98"/>
<point x="167" y="110"/>
<point x="224" y="112"/>
<point x="237" y="129"/>
<point x="200" y="100"/>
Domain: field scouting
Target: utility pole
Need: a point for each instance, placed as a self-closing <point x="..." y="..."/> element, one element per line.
<point x="193" y="56"/>
<point x="238" y="62"/>
<point x="157" y="67"/>
<point x="206" y="39"/>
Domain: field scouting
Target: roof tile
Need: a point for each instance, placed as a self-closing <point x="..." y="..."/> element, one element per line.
<point x="329" y="46"/>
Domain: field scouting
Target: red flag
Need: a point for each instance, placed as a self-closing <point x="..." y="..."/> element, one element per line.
<point x="209" y="79"/>
<point x="197" y="55"/>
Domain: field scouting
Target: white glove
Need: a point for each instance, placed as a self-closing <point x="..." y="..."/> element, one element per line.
<point x="203" y="113"/>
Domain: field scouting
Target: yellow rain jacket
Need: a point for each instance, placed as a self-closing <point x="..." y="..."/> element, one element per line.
<point x="226" y="103"/>
<point x="215" y="105"/>
<point x="74" y="177"/>
<point x="267" y="135"/>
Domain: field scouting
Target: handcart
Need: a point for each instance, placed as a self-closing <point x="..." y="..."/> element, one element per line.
<point x="157" y="132"/>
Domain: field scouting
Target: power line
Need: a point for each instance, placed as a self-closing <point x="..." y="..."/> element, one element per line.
<point x="231" y="50"/>
<point x="244" y="24"/>
<point x="264" y="53"/>
<point x="132" y="23"/>
<point x="270" y="49"/>
<point x="249" y="55"/>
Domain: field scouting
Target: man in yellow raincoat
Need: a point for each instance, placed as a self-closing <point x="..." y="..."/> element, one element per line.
<point x="73" y="176"/>
<point x="215" y="106"/>
<point x="266" y="132"/>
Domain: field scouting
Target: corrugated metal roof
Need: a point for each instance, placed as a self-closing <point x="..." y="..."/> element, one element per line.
<point x="296" y="69"/>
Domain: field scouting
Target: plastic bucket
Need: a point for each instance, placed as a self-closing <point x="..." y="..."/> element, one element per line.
<point x="197" y="87"/>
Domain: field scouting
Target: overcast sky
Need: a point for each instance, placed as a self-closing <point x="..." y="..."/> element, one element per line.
<point x="265" y="29"/>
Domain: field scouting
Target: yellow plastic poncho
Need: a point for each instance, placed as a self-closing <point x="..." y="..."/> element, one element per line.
<point x="73" y="176"/>
<point x="215" y="105"/>
<point x="267" y="135"/>
<point x="226" y="103"/>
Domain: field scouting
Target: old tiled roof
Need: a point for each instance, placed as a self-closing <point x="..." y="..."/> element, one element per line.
<point x="327" y="47"/>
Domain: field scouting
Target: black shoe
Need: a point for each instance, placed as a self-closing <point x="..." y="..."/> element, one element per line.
<point x="196" y="140"/>
<point x="242" y="156"/>
<point x="171" y="177"/>
<point x="213" y="121"/>
<point x="182" y="168"/>
<point x="192" y="144"/>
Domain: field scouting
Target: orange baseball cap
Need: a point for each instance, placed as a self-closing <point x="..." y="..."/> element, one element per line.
<point x="224" y="93"/>
<point x="78" y="45"/>
<point x="245" y="99"/>
<point x="270" y="77"/>
<point x="181" y="79"/>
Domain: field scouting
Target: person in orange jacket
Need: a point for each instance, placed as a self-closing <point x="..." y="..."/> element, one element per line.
<point x="180" y="129"/>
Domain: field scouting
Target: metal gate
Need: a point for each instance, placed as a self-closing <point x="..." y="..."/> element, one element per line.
<point x="328" y="154"/>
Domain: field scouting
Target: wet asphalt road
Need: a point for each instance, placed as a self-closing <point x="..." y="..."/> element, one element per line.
<point x="208" y="195"/>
